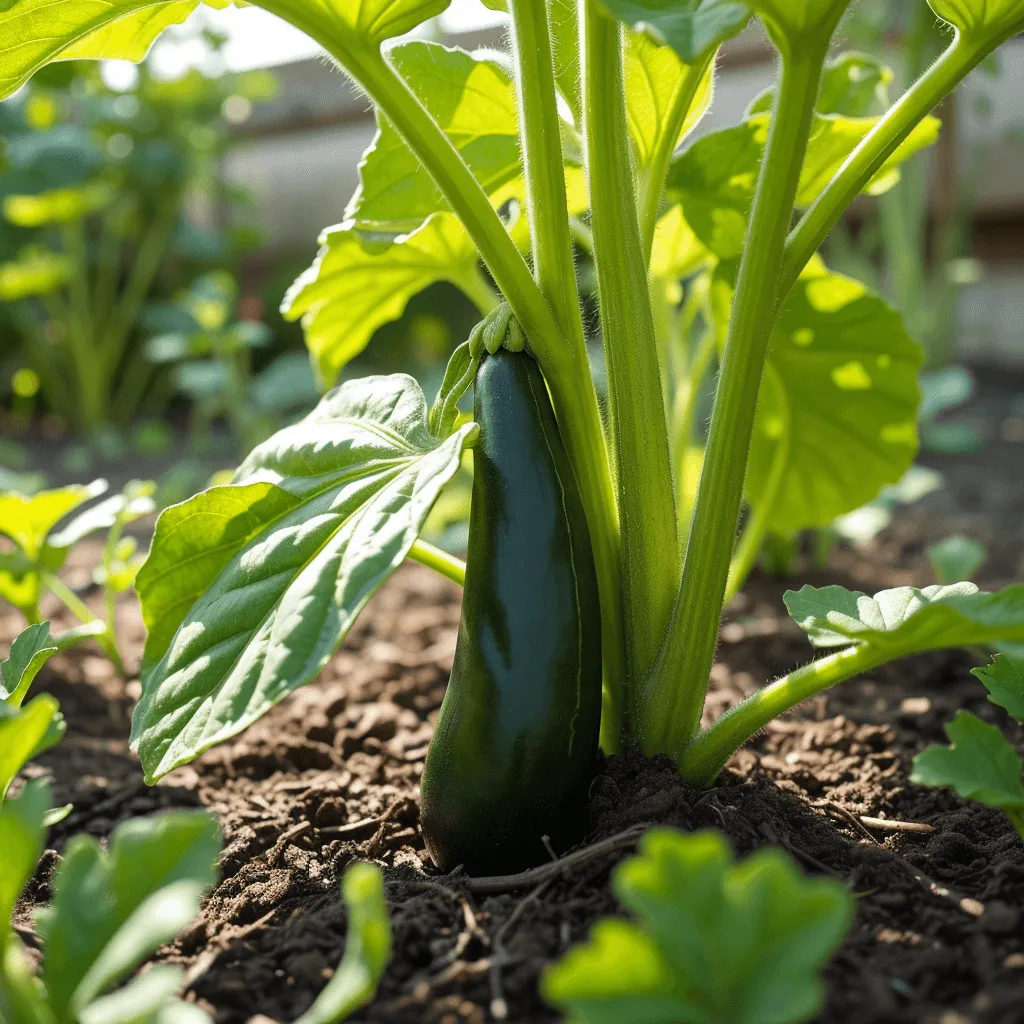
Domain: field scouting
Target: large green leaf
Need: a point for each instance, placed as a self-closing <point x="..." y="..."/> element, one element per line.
<point x="250" y="588"/>
<point x="988" y="19"/>
<point x="367" y="948"/>
<point x="715" y="177"/>
<point x="473" y="100"/>
<point x="714" y="941"/>
<point x="908" y="620"/>
<point x="362" y="279"/>
<point x="655" y="78"/>
<point x="112" y="909"/>
<point x="838" y="403"/>
<point x="693" y="28"/>
<point x="980" y="764"/>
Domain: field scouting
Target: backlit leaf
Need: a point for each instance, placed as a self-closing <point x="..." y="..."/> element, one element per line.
<point x="980" y="764"/>
<point x="677" y="251"/>
<point x="29" y="520"/>
<point x="989" y="19"/>
<point x="714" y="941"/>
<point x="907" y="620"/>
<point x="655" y="77"/>
<point x="693" y="28"/>
<point x="838" y="403"/>
<point x="58" y="206"/>
<point x="473" y="100"/>
<point x="25" y="733"/>
<point x="1004" y="680"/>
<point x="361" y="280"/>
<point x="251" y="587"/>
<point x="797" y="19"/>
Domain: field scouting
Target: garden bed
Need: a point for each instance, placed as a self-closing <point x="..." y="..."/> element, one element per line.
<point x="332" y="775"/>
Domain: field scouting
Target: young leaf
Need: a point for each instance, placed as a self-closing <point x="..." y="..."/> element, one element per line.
<point x="957" y="558"/>
<point x="58" y="206"/>
<point x="112" y="909"/>
<point x="25" y="733"/>
<point x="250" y="588"/>
<point x="655" y="76"/>
<point x="21" y="839"/>
<point x="146" y="999"/>
<point x="361" y="280"/>
<point x="34" y="273"/>
<point x="31" y="650"/>
<point x="693" y="28"/>
<point x="838" y="404"/>
<point x="980" y="764"/>
<point x="367" y="948"/>
<point x="713" y="941"/>
<point x="907" y="620"/>
<point x="1004" y="680"/>
<point x="473" y="100"/>
<point x="28" y="521"/>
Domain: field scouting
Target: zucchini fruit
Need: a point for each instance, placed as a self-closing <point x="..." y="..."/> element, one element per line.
<point x="516" y="741"/>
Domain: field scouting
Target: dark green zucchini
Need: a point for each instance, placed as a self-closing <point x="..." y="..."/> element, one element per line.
<point x="516" y="741"/>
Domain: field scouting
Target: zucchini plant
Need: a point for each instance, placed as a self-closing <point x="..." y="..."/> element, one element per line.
<point x="486" y="173"/>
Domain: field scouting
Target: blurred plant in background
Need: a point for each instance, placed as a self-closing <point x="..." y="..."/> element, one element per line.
<point x="111" y="200"/>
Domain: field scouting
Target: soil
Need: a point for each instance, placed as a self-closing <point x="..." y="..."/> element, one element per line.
<point x="331" y="775"/>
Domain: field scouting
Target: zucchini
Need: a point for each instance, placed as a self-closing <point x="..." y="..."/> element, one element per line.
<point x="515" y="746"/>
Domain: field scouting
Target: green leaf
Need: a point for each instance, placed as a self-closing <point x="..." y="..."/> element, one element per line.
<point x="980" y="764"/>
<point x="1004" y="680"/>
<point x="563" y="21"/>
<point x="693" y="28"/>
<point x="473" y="100"/>
<point x="361" y="280"/>
<point x="715" y="177"/>
<point x="30" y="651"/>
<point x="957" y="558"/>
<point x="28" y="521"/>
<point x="714" y="941"/>
<point x="250" y="588"/>
<point x="59" y="205"/>
<point x="21" y="839"/>
<point x="988" y="19"/>
<point x="26" y="733"/>
<point x="33" y="273"/>
<point x="852" y="84"/>
<point x="838" y="403"/>
<point x="794" y="20"/>
<point x="374" y="21"/>
<point x="907" y="620"/>
<point x="655" y="77"/>
<point x="146" y="999"/>
<point x="132" y="503"/>
<point x="677" y="252"/>
<point x="367" y="948"/>
<point x="112" y="909"/>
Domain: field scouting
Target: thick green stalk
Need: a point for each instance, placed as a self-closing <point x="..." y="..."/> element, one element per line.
<point x="572" y="391"/>
<point x="551" y="241"/>
<point x="705" y="757"/>
<point x="639" y="430"/>
<point x="440" y="561"/>
<point x="674" y="694"/>
<point x="959" y="59"/>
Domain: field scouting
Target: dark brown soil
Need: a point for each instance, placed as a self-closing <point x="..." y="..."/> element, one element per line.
<point x="331" y="775"/>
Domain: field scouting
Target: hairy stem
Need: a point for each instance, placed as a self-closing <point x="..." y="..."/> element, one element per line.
<point x="961" y="57"/>
<point x="639" y="429"/>
<point x="703" y="759"/>
<point x="674" y="696"/>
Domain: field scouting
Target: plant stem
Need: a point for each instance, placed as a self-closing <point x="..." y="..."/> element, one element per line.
<point x="961" y="57"/>
<point x="440" y="561"/>
<point x="653" y="179"/>
<point x="756" y="527"/>
<point x="701" y="761"/>
<point x="674" y="695"/>
<point x="80" y="328"/>
<point x="571" y="385"/>
<point x="639" y="429"/>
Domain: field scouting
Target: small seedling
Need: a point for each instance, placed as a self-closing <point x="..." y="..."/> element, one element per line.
<point x="709" y="940"/>
<point x="981" y="763"/>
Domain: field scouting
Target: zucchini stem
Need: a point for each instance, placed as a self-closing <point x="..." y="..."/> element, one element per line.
<point x="440" y="561"/>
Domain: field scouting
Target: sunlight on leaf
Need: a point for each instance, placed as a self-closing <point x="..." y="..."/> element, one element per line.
<point x="31" y="650"/>
<point x="250" y="588"/>
<point x="29" y="520"/>
<point x="33" y="273"/>
<point x="677" y="251"/>
<point x="996" y="19"/>
<point x="361" y="280"/>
